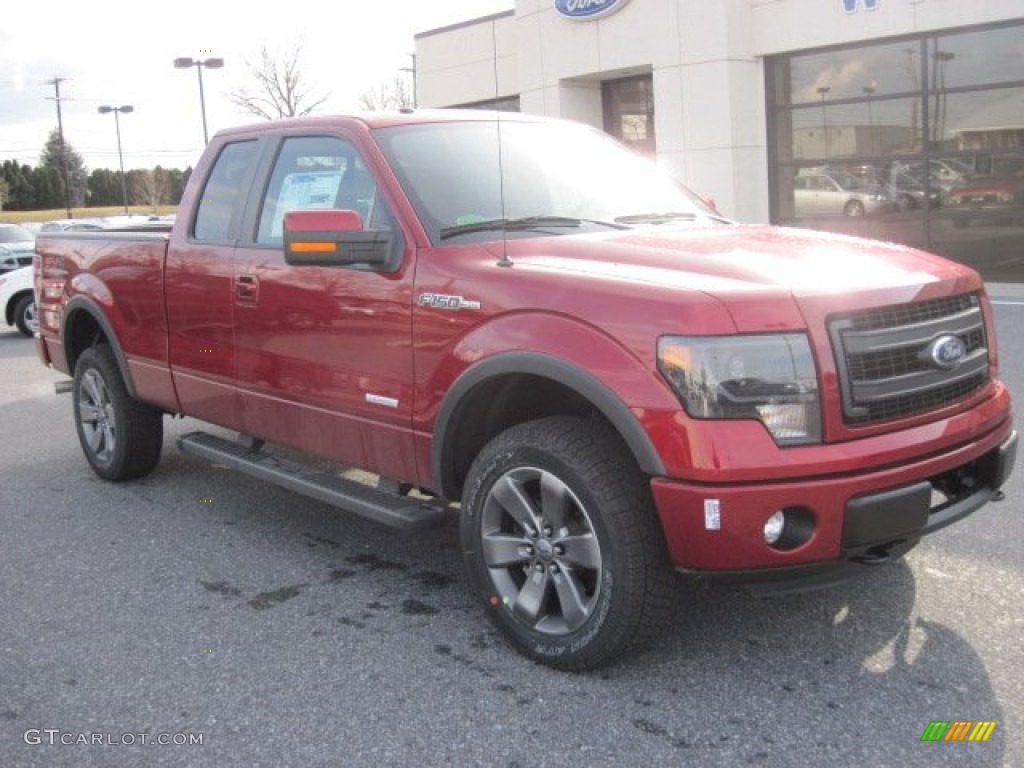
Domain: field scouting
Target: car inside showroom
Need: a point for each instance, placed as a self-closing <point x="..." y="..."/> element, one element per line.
<point x="901" y="120"/>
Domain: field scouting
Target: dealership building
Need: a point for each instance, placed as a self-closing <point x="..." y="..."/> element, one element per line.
<point x="896" y="119"/>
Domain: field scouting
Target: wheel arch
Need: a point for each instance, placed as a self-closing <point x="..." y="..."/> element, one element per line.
<point x="86" y="325"/>
<point x="509" y="389"/>
<point x="12" y="304"/>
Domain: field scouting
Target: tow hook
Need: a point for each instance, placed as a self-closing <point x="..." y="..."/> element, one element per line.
<point x="875" y="555"/>
<point x="63" y="387"/>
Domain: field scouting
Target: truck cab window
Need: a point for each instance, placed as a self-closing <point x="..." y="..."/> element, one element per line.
<point x="227" y="181"/>
<point x="316" y="172"/>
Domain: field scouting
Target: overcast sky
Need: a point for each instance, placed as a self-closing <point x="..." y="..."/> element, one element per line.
<point x="114" y="52"/>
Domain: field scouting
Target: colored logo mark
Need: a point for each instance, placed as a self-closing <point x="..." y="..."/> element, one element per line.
<point x="587" y="9"/>
<point x="852" y="5"/>
<point x="959" y="730"/>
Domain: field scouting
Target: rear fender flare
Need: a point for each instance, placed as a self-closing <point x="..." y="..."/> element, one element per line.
<point x="73" y="310"/>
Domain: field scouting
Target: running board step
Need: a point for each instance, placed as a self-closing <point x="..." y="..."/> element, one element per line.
<point x="395" y="511"/>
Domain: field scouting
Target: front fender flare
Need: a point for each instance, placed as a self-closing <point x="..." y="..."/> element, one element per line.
<point x="548" y="366"/>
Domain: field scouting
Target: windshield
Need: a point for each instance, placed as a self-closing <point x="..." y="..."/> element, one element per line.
<point x="15" y="234"/>
<point x="553" y="178"/>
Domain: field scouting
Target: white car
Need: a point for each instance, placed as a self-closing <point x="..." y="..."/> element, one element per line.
<point x="17" y="245"/>
<point x="17" y="302"/>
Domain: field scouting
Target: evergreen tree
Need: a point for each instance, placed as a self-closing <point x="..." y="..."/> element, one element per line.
<point x="78" y="174"/>
<point x="47" y="189"/>
<point x="104" y="187"/>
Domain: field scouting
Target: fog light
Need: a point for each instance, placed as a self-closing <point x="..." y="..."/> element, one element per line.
<point x="774" y="526"/>
<point x="789" y="528"/>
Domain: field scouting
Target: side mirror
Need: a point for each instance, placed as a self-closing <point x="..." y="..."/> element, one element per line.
<point x="333" y="238"/>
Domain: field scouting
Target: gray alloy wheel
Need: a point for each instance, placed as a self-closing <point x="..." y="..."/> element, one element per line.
<point x="541" y="551"/>
<point x="97" y="417"/>
<point x="120" y="436"/>
<point x="562" y="545"/>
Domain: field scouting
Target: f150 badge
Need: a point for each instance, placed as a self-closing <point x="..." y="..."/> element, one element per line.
<point x="443" y="301"/>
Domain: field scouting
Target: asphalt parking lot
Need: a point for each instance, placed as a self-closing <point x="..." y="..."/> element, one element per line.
<point x="199" y="605"/>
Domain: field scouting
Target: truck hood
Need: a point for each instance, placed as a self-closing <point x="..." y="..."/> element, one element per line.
<point x="751" y="268"/>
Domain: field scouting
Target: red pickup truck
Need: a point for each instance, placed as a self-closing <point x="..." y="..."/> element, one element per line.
<point x="523" y="318"/>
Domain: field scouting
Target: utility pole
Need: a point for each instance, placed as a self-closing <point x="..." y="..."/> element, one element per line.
<point x="63" y="153"/>
<point x="412" y="69"/>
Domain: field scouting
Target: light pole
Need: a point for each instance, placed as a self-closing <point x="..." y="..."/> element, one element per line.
<point x="126" y="109"/>
<point x="822" y="90"/>
<point x="184" y="63"/>
<point x="939" y="84"/>
<point x="869" y="91"/>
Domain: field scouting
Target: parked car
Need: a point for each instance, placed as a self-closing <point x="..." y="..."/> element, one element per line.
<point x="32" y="226"/>
<point x="17" y="303"/>
<point x="993" y="200"/>
<point x="838" y="194"/>
<point x="71" y="225"/>
<point x="909" y="192"/>
<point x="17" y="245"/>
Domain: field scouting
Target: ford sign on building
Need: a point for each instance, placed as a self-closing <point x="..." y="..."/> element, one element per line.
<point x="586" y="10"/>
<point x="898" y="120"/>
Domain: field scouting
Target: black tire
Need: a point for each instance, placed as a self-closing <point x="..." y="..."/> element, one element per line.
<point x="25" y="315"/>
<point x="560" y="540"/>
<point x="120" y="436"/>
<point x="853" y="208"/>
<point x="906" y="202"/>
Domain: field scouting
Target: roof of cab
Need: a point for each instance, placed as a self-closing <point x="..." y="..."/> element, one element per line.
<point x="373" y="120"/>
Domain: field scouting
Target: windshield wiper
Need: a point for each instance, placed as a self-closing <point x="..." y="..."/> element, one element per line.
<point x="656" y="218"/>
<point x="520" y="224"/>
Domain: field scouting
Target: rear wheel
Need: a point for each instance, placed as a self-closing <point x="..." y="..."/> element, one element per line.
<point x="560" y="539"/>
<point x="854" y="208"/>
<point x="120" y="436"/>
<point x="25" y="316"/>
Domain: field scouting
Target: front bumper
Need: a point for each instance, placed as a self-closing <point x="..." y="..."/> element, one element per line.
<point x="861" y="518"/>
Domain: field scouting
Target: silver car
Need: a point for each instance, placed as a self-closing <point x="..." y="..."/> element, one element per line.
<point x="832" y="193"/>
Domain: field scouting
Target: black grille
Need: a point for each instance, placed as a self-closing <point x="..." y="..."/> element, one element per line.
<point x="910" y="314"/>
<point x="906" y="405"/>
<point x="889" y="363"/>
<point x="886" y="364"/>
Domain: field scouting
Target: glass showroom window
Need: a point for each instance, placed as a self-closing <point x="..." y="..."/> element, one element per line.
<point x="918" y="140"/>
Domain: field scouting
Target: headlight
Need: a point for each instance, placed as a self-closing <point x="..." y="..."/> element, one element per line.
<point x="770" y="378"/>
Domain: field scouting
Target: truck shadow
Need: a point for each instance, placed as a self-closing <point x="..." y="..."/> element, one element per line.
<point x="757" y="677"/>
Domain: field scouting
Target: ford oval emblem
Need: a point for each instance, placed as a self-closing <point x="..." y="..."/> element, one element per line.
<point x="585" y="10"/>
<point x="947" y="352"/>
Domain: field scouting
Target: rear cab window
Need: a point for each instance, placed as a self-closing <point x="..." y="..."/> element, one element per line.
<point x="227" y="183"/>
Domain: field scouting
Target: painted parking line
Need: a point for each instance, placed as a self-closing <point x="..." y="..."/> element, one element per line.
<point x="1008" y="303"/>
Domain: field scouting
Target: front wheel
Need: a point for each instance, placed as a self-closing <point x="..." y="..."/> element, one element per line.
<point x="25" y="316"/>
<point x="561" y="541"/>
<point x="120" y="436"/>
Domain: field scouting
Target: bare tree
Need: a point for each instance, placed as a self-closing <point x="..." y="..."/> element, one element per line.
<point x="280" y="89"/>
<point x="390" y="94"/>
<point x="148" y="187"/>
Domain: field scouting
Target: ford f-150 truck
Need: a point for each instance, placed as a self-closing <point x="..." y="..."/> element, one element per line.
<point x="525" y="321"/>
